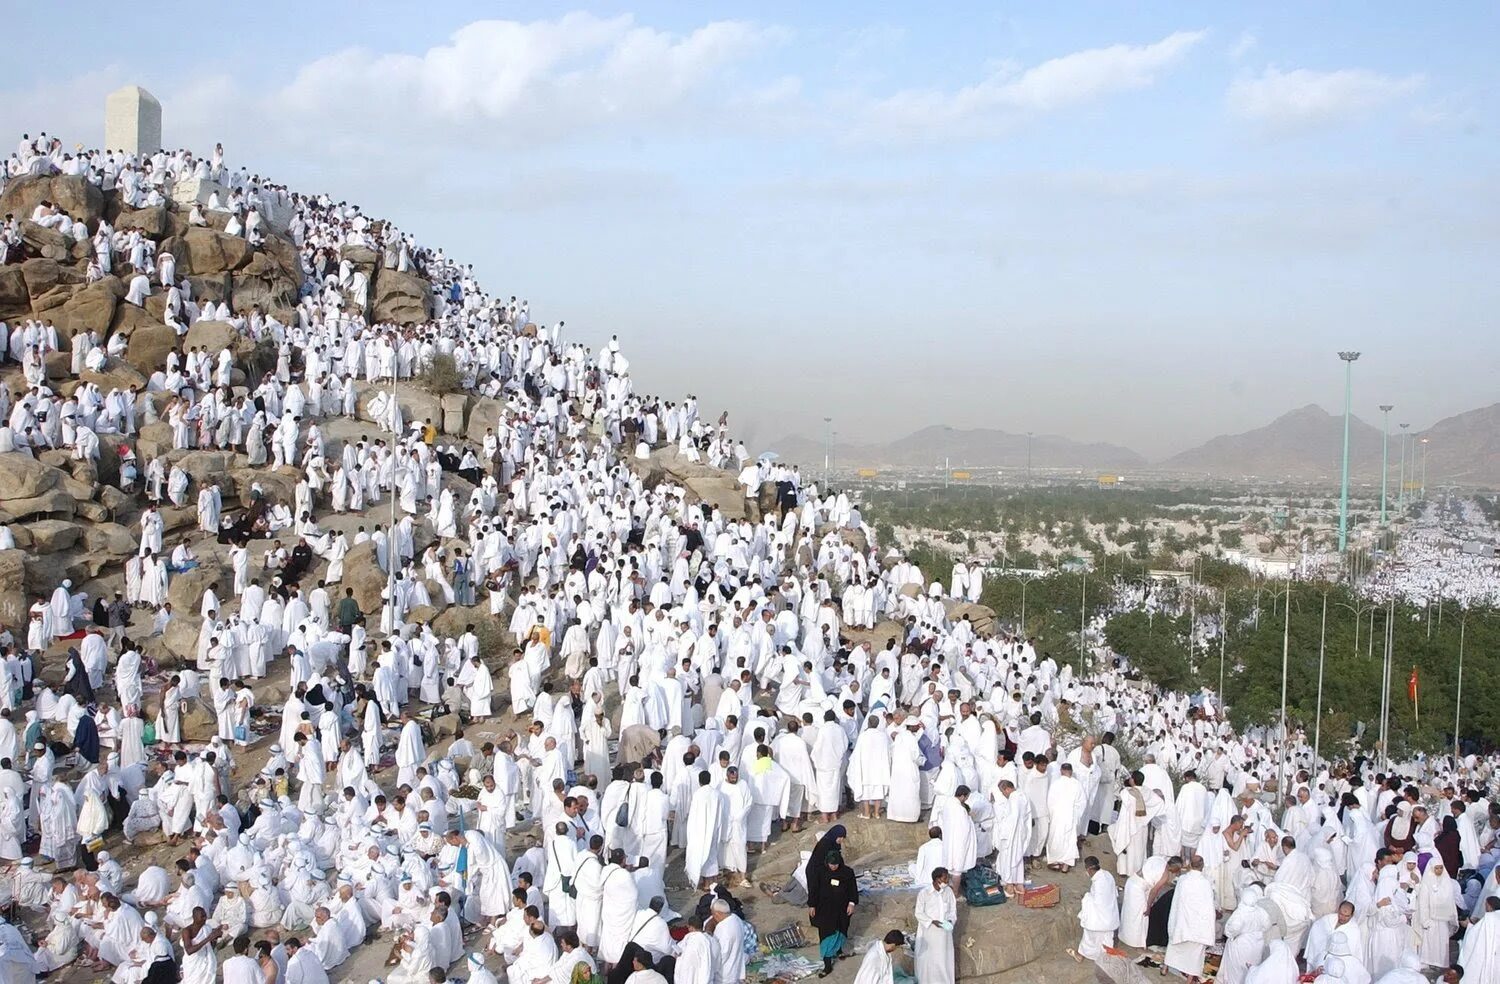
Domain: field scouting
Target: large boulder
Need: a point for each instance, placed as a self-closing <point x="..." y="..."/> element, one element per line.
<point x="25" y="477"/>
<point x="282" y="254"/>
<point x="185" y="591"/>
<point x="401" y="297"/>
<point x="361" y="258"/>
<point x="181" y="635"/>
<point x="42" y="275"/>
<point x="175" y="518"/>
<point x="44" y="242"/>
<point x="47" y="536"/>
<point x="13" y="603"/>
<point x="207" y="468"/>
<point x="110" y="540"/>
<point x="148" y="347"/>
<point x="115" y="375"/>
<point x="198" y="722"/>
<point x="362" y="573"/>
<point x="215" y="336"/>
<point x="484" y="415"/>
<point x="90" y="308"/>
<point x="766" y="500"/>
<point x="54" y="503"/>
<point x="201" y="251"/>
<point x="263" y="285"/>
<point x="130" y="318"/>
<point x="80" y="199"/>
<point x="151" y="220"/>
<point x="981" y="617"/>
<point x="215" y="287"/>
<point x="15" y="299"/>
<point x="49" y="306"/>
<point x="277" y="485"/>
<point x="153" y="439"/>
<point x="416" y="403"/>
<point x="704" y="483"/>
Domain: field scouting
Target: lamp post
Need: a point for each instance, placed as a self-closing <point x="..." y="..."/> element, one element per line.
<point x="1223" y="635"/>
<point x="1083" y="621"/>
<point x="827" y="449"/>
<point x="1401" y="493"/>
<point x="1026" y="580"/>
<point x="1424" y="469"/>
<point x="1385" y="685"/>
<point x="1348" y="358"/>
<point x="1458" y="702"/>
<point x="1286" y="645"/>
<point x="1322" y="642"/>
<point x="1385" y="456"/>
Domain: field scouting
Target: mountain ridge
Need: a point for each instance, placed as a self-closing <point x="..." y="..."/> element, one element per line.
<point x="1305" y="443"/>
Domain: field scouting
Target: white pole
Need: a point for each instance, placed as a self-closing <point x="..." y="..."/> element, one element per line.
<point x="1083" y="622"/>
<point x="1223" y="634"/>
<point x="1322" y="640"/>
<point x="1286" y="649"/>
<point x="1458" y="703"/>
<point x="390" y="536"/>
<point x="1385" y="690"/>
<point x="1024" y="582"/>
<point x="1193" y="630"/>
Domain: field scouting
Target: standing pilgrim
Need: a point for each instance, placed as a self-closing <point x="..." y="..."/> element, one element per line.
<point x="937" y="910"/>
<point x="1190" y="925"/>
<point x="831" y="898"/>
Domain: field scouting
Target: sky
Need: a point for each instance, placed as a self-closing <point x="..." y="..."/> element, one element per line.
<point x="1142" y="223"/>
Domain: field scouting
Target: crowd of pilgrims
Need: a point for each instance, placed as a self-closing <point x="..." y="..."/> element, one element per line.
<point x="1428" y="564"/>
<point x="687" y="682"/>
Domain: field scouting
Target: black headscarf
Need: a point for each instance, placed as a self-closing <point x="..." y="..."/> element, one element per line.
<point x="79" y="685"/>
<point x="817" y="862"/>
<point x="86" y="739"/>
<point x="1447" y="845"/>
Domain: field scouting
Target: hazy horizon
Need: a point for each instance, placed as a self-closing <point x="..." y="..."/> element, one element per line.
<point x="1146" y="227"/>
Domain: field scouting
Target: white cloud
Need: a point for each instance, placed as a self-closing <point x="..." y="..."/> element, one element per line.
<point x="534" y="80"/>
<point x="1243" y="45"/>
<point x="1304" y="98"/>
<point x="1012" y="91"/>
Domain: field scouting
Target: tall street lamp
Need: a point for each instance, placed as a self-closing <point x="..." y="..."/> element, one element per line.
<point x="1348" y="358"/>
<point x="1424" y="469"/>
<point x="1385" y="456"/>
<point x="1401" y="492"/>
<point x="827" y="449"/>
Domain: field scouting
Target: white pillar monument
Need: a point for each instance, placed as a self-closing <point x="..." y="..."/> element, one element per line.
<point x="132" y="121"/>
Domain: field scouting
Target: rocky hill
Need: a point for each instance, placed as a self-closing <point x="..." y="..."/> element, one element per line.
<point x="1306" y="444"/>
<point x="1465" y="448"/>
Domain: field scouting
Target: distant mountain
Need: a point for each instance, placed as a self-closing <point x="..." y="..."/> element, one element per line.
<point x="1464" y="448"/>
<point x="979" y="448"/>
<point x="1304" y="444"/>
<point x="1308" y="444"/>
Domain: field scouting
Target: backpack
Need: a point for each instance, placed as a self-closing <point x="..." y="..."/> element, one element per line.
<point x="981" y="886"/>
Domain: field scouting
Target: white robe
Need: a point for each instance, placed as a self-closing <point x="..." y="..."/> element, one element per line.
<point x="1065" y="805"/>
<point x="1190" y="923"/>
<point x="936" y="912"/>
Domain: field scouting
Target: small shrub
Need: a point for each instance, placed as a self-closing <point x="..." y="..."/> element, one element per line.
<point x="440" y="376"/>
